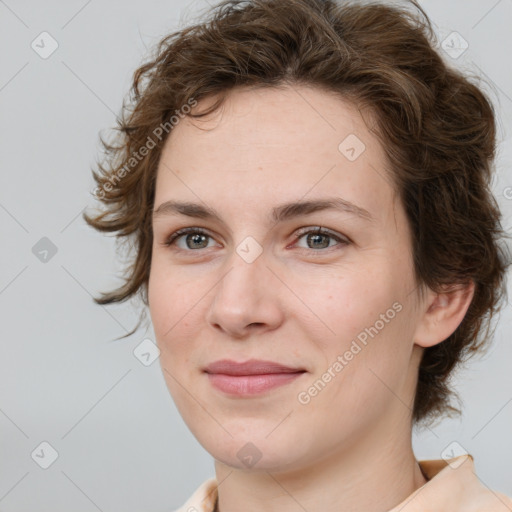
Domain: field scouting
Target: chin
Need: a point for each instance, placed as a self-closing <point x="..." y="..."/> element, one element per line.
<point x="251" y="448"/>
<point x="255" y="460"/>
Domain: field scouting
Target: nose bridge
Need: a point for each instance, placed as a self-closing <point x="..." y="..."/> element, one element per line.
<point x="246" y="293"/>
<point x="247" y="277"/>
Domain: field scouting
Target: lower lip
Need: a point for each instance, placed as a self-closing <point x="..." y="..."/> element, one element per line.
<point x="242" y="385"/>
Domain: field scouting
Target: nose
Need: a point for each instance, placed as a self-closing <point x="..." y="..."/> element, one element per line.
<point x="246" y="299"/>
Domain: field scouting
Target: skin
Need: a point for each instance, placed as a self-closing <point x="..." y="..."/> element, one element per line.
<point x="298" y="303"/>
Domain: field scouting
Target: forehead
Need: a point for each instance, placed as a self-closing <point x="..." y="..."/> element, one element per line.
<point x="275" y="144"/>
<point x="250" y="119"/>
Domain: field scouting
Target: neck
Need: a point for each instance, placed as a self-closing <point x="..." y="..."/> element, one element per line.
<point x="375" y="474"/>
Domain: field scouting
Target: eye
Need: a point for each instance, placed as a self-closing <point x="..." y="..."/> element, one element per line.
<point x="194" y="238"/>
<point x="318" y="238"/>
<point x="197" y="238"/>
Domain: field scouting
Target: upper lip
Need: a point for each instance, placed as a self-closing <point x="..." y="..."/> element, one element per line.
<point x="250" y="367"/>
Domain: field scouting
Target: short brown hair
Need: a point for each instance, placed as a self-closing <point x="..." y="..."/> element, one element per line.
<point x="436" y="127"/>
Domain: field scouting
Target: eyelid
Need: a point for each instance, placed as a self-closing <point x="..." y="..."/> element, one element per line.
<point x="185" y="231"/>
<point x="322" y="231"/>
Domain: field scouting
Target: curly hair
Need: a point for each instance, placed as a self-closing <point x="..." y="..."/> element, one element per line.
<point x="436" y="128"/>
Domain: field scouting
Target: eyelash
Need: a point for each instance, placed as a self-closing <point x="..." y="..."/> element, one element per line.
<point x="318" y="230"/>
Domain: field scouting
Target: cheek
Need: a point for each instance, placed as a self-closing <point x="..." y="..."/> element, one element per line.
<point x="167" y="297"/>
<point x="347" y="301"/>
<point x="368" y="328"/>
<point x="158" y="299"/>
<point x="176" y="305"/>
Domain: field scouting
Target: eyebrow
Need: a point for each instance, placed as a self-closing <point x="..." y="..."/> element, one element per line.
<point x="279" y="213"/>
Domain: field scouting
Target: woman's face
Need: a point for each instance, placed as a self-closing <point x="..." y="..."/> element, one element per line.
<point x="338" y="309"/>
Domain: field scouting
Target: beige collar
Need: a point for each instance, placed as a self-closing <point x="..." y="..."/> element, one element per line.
<point x="453" y="486"/>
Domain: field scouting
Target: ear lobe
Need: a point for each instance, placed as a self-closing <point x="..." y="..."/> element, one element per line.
<point x="443" y="313"/>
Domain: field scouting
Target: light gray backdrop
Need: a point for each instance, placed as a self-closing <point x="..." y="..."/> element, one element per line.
<point x="115" y="439"/>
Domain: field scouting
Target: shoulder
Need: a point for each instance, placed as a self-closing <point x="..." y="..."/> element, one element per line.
<point x="488" y="500"/>
<point x="454" y="486"/>
<point x="203" y="498"/>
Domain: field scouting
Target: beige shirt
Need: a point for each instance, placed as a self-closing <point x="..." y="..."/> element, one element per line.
<point x="452" y="487"/>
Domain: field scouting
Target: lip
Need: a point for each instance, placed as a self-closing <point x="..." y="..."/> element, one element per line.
<point x="250" y="367"/>
<point x="250" y="377"/>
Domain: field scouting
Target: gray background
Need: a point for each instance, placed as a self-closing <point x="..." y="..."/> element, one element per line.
<point x="120" y="441"/>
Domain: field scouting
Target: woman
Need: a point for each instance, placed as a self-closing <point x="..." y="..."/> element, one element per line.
<point x="307" y="185"/>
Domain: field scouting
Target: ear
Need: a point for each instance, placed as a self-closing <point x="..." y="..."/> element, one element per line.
<point x="442" y="313"/>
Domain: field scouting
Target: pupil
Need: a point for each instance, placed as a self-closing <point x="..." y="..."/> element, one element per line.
<point x="318" y="236"/>
<point x="197" y="237"/>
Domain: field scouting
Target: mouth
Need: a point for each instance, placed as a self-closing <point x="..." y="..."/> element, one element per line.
<point x="250" y="377"/>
